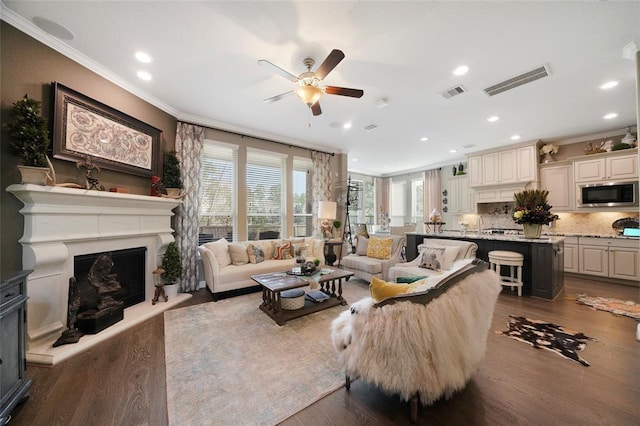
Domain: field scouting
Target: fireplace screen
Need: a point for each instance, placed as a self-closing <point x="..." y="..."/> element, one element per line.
<point x="129" y="269"/>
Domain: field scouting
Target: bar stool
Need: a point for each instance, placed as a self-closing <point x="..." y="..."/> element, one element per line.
<point x="514" y="261"/>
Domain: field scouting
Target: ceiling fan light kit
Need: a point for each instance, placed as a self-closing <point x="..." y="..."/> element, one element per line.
<point x="309" y="89"/>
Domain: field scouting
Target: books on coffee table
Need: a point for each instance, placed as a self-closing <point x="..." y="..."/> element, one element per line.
<point x="317" y="296"/>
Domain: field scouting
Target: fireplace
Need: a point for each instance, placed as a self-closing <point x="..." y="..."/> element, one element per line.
<point x="128" y="266"/>
<point x="62" y="225"/>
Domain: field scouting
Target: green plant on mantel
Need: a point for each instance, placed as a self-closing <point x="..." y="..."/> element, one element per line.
<point x="171" y="177"/>
<point x="28" y="132"/>
<point x="172" y="264"/>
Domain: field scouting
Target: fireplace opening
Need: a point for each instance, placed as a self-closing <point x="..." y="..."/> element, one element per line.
<point x="129" y="270"/>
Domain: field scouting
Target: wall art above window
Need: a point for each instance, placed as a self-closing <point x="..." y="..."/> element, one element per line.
<point x="83" y="126"/>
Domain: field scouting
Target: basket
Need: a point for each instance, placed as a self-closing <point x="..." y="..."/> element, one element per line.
<point x="293" y="299"/>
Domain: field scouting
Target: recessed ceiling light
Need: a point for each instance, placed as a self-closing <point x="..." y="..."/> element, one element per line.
<point x="515" y="137"/>
<point x="346" y="125"/>
<point x="609" y="84"/>
<point x="453" y="151"/>
<point x="424" y="139"/>
<point x="610" y="116"/>
<point x="143" y="57"/>
<point x="143" y="75"/>
<point x="493" y="118"/>
<point x="461" y="70"/>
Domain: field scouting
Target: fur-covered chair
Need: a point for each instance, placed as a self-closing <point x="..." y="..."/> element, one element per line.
<point x="422" y="346"/>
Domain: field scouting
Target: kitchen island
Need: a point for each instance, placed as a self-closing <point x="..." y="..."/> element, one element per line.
<point x="543" y="268"/>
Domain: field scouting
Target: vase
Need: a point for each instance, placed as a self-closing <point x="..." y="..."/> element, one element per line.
<point x="171" y="290"/>
<point x="548" y="158"/>
<point x="532" y="230"/>
<point x="35" y="175"/>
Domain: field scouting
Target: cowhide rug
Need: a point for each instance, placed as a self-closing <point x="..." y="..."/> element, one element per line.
<point x="545" y="335"/>
<point x="626" y="308"/>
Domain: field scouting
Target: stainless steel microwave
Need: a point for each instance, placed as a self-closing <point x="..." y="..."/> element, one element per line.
<point x="608" y="194"/>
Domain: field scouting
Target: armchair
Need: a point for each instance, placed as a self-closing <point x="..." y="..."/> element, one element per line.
<point x="423" y="345"/>
<point x="364" y="266"/>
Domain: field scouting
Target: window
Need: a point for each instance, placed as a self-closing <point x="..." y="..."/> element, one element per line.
<point x="398" y="203"/>
<point x="417" y="200"/>
<point x="302" y="197"/>
<point x="265" y="193"/>
<point x="218" y="216"/>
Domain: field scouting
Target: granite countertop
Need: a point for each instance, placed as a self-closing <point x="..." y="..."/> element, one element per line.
<point x="544" y="239"/>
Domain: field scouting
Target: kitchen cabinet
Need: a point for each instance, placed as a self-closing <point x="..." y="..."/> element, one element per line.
<point x="461" y="199"/>
<point x="611" y="167"/>
<point x="571" y="256"/>
<point x="509" y="166"/>
<point x="558" y="180"/>
<point x="609" y="257"/>
<point x="542" y="271"/>
<point x="14" y="383"/>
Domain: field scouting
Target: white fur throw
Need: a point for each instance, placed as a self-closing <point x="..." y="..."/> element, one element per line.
<point x="408" y="347"/>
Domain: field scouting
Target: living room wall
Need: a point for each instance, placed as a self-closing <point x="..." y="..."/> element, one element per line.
<point x="29" y="67"/>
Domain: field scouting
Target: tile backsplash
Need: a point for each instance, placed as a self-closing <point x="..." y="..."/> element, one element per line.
<point x="498" y="215"/>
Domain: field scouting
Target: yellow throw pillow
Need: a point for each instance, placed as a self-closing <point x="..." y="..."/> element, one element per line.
<point x="379" y="248"/>
<point x="381" y="289"/>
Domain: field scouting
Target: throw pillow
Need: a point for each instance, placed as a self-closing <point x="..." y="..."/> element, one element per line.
<point x="282" y="251"/>
<point x="220" y="250"/>
<point x="450" y="254"/>
<point x="409" y="280"/>
<point x="379" y="248"/>
<point x="362" y="244"/>
<point x="361" y="229"/>
<point x="255" y="253"/>
<point x="300" y="249"/>
<point x="432" y="258"/>
<point x="381" y="289"/>
<point x="238" y="253"/>
<point x="294" y="242"/>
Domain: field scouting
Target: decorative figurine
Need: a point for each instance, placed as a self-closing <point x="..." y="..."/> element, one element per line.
<point x="159" y="285"/>
<point x="90" y="181"/>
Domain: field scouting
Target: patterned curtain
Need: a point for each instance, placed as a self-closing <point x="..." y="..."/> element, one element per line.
<point x="322" y="189"/>
<point x="189" y="142"/>
<point x="431" y="193"/>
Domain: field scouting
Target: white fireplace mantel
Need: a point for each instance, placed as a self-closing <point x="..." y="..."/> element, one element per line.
<point x="60" y="223"/>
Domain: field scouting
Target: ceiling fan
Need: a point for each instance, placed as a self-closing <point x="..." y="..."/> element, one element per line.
<point x="309" y="88"/>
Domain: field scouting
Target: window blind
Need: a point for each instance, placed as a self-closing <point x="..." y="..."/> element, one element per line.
<point x="218" y="183"/>
<point x="265" y="193"/>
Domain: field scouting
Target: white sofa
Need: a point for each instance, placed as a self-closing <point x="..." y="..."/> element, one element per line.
<point x="466" y="250"/>
<point x="222" y="275"/>
<point x="366" y="267"/>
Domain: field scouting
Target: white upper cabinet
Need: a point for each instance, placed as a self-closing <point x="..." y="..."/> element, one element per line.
<point x="617" y="167"/>
<point x="558" y="180"/>
<point x="516" y="165"/>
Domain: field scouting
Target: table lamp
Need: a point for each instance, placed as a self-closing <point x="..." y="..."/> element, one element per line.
<point x="327" y="213"/>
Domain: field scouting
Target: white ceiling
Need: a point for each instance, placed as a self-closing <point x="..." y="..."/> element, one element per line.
<point x="205" y="68"/>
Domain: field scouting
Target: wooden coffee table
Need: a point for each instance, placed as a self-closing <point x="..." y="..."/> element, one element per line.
<point x="273" y="284"/>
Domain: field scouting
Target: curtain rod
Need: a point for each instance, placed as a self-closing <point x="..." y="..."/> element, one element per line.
<point x="260" y="138"/>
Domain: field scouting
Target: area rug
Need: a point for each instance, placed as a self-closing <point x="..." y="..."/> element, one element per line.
<point x="229" y="363"/>
<point x="609" y="304"/>
<point x="545" y="335"/>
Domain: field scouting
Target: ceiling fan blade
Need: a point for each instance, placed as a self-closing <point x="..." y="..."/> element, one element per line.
<point x="276" y="69"/>
<point x="329" y="64"/>
<point x="315" y="108"/>
<point x="344" y="91"/>
<point x="278" y="97"/>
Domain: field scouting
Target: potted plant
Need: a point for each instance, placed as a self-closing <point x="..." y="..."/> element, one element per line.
<point x="532" y="211"/>
<point x="171" y="177"/>
<point x="29" y="140"/>
<point x="172" y="266"/>
<point x="336" y="225"/>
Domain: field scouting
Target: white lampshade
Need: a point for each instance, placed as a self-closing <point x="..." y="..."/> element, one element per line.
<point x="327" y="210"/>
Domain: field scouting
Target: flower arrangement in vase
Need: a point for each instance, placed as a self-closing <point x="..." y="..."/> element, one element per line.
<point x="548" y="150"/>
<point x="532" y="211"/>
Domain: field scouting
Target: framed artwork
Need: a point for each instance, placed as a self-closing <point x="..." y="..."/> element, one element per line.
<point x="85" y="127"/>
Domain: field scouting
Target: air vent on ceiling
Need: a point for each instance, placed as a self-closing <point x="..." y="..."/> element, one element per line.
<point x="370" y="126"/>
<point x="469" y="145"/>
<point x="519" y="80"/>
<point x="449" y="93"/>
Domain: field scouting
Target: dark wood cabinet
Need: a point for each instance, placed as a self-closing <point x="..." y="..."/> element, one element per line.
<point x="14" y="383"/>
<point x="542" y="270"/>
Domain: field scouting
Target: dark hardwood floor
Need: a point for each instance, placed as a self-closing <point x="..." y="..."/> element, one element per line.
<point x="122" y="380"/>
